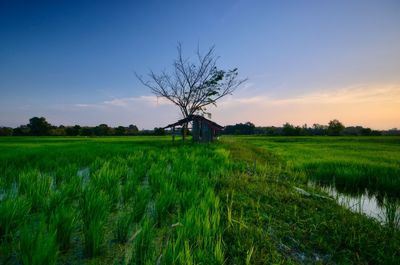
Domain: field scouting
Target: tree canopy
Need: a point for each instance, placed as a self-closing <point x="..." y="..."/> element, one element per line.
<point x="193" y="85"/>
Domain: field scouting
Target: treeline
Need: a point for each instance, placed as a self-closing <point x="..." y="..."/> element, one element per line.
<point x="40" y="127"/>
<point x="333" y="128"/>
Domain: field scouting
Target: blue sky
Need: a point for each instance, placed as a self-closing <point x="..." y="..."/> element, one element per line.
<point x="73" y="62"/>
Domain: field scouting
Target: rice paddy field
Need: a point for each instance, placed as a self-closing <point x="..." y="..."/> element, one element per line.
<point x="241" y="200"/>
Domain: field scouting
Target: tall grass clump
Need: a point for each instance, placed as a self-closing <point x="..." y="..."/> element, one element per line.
<point x="65" y="172"/>
<point x="94" y="206"/>
<point x="144" y="249"/>
<point x="38" y="244"/>
<point x="392" y="213"/>
<point x="128" y="189"/>
<point x="36" y="187"/>
<point x="140" y="201"/>
<point x="138" y="164"/>
<point x="107" y="179"/>
<point x="198" y="240"/>
<point x="165" y="202"/>
<point x="123" y="225"/>
<point x="63" y="221"/>
<point x="13" y="212"/>
<point x="71" y="188"/>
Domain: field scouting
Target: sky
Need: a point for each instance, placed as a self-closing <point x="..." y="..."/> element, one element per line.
<point x="74" y="62"/>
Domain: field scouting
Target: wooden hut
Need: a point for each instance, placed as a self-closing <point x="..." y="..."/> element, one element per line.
<point x="203" y="130"/>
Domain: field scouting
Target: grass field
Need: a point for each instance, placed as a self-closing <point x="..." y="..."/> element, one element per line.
<point x="352" y="163"/>
<point x="142" y="200"/>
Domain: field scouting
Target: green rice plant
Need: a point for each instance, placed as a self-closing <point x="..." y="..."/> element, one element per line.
<point x="140" y="202"/>
<point x="71" y="188"/>
<point x="65" y="172"/>
<point x="94" y="206"/>
<point x="219" y="254"/>
<point x="128" y="189"/>
<point x="187" y="198"/>
<point x="13" y="211"/>
<point x="37" y="244"/>
<point x="55" y="200"/>
<point x="144" y="249"/>
<point x="138" y="163"/>
<point x="122" y="225"/>
<point x="36" y="187"/>
<point x="392" y="213"/>
<point x="107" y="179"/>
<point x="199" y="238"/>
<point x="94" y="238"/>
<point x="63" y="221"/>
<point x="165" y="202"/>
<point x="248" y="255"/>
<point x="186" y="255"/>
<point x="157" y="173"/>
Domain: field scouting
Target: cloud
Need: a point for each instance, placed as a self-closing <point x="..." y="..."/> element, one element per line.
<point x="127" y="102"/>
<point x="374" y="106"/>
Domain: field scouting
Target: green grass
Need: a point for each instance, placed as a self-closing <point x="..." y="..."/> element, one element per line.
<point x="143" y="200"/>
<point x="287" y="227"/>
<point x="106" y="199"/>
<point x="38" y="244"/>
<point x="352" y="162"/>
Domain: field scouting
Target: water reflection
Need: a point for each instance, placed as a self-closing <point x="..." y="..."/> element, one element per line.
<point x="381" y="206"/>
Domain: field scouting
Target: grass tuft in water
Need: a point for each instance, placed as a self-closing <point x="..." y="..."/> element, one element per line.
<point x="64" y="221"/>
<point x="94" y="206"/>
<point x="144" y="249"/>
<point x="38" y="244"/>
<point x="122" y="225"/>
<point x="13" y="212"/>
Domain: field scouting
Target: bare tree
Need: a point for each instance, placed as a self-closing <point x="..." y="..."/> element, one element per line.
<point x="193" y="85"/>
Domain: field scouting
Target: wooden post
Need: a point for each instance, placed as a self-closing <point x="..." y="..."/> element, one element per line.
<point x="184" y="132"/>
<point x="173" y="134"/>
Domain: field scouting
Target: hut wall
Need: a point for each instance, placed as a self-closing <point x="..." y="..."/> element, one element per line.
<point x="196" y="130"/>
<point x="206" y="133"/>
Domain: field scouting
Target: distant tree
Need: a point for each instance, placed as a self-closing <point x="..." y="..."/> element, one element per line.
<point x="57" y="131"/>
<point x="6" y="131"/>
<point x="319" y="129"/>
<point x="73" y="131"/>
<point x="335" y="127"/>
<point x="159" y="131"/>
<point x="272" y="130"/>
<point x="132" y="130"/>
<point x="39" y="126"/>
<point x="22" y="130"/>
<point x="192" y="86"/>
<point x="86" y="131"/>
<point x="376" y="133"/>
<point x="352" y="130"/>
<point x="288" y="129"/>
<point x="120" y="130"/>
<point x="366" y="131"/>
<point x="247" y="128"/>
<point x="102" y="130"/>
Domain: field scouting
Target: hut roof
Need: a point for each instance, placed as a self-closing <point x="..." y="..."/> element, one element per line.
<point x="190" y="118"/>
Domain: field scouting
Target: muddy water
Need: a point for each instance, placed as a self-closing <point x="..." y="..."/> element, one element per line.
<point x="382" y="208"/>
